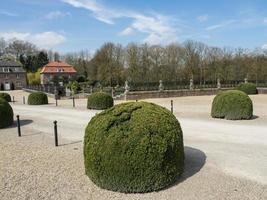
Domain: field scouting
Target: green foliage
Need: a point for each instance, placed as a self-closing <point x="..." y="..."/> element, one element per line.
<point x="233" y="105"/>
<point x="99" y="101"/>
<point x="75" y="87"/>
<point x="34" y="78"/>
<point x="6" y="114"/>
<point x="37" y="98"/>
<point x="134" y="147"/>
<point x="248" y="88"/>
<point x="5" y="96"/>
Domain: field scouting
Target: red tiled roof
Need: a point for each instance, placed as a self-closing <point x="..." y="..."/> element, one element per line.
<point x="58" y="67"/>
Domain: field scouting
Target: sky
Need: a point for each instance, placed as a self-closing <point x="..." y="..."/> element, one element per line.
<point x="73" y="25"/>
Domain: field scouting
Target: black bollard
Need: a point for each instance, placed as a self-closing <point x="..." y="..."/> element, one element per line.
<point x="171" y="106"/>
<point x="73" y="102"/>
<point x="55" y="132"/>
<point x="56" y="101"/>
<point x="18" y="125"/>
<point x="23" y="100"/>
<point x="13" y="99"/>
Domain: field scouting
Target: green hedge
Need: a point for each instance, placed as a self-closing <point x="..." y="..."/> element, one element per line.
<point x="233" y="105"/>
<point x="6" y="114"/>
<point x="248" y="88"/>
<point x="99" y="101"/>
<point x="37" y="98"/>
<point x="134" y="147"/>
<point x="5" y="96"/>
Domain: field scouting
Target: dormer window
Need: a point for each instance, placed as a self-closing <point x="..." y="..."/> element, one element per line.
<point x="60" y="70"/>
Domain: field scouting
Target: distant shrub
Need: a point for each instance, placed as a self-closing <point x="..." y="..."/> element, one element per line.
<point x="248" y="88"/>
<point x="75" y="87"/>
<point x="99" y="101"/>
<point x="134" y="147"/>
<point x="6" y="114"/>
<point x="5" y="96"/>
<point x="34" y="78"/>
<point x="37" y="98"/>
<point x="233" y="105"/>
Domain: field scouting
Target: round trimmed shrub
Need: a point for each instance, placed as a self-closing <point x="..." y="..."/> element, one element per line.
<point x="5" y="96"/>
<point x="99" y="101"/>
<point x="134" y="147"/>
<point x="37" y="98"/>
<point x="248" y="88"/>
<point x="6" y="114"/>
<point x="233" y="105"/>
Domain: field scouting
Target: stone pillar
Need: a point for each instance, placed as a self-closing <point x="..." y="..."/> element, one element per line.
<point x="161" y="87"/>
<point x="191" y="86"/>
<point x="127" y="88"/>
<point x="218" y="83"/>
<point x="246" y="80"/>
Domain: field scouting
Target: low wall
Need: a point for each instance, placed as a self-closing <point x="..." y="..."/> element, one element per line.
<point x="262" y="90"/>
<point x="170" y="93"/>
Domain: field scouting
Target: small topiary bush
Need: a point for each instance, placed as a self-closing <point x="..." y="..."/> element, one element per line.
<point x="134" y="147"/>
<point x="6" y="114"/>
<point x="5" y="96"/>
<point x="248" y="88"/>
<point x="37" y="98"/>
<point x="99" y="101"/>
<point x="233" y="105"/>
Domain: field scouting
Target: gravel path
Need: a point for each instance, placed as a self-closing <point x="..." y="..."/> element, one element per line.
<point x="224" y="159"/>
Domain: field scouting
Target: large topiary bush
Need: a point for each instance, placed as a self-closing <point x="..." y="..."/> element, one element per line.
<point x="248" y="88"/>
<point x="5" y="96"/>
<point x="6" y="114"/>
<point x="99" y="101"/>
<point x="134" y="147"/>
<point x="233" y="105"/>
<point x="37" y="98"/>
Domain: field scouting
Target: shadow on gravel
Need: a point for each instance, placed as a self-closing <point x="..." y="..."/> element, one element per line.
<point x="195" y="159"/>
<point x="23" y="122"/>
<point x="254" y="117"/>
<point x="70" y="143"/>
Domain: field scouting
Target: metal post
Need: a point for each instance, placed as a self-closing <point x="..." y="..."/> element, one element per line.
<point x="56" y="101"/>
<point x="18" y="125"/>
<point x="73" y="102"/>
<point x="55" y="132"/>
<point x="23" y="100"/>
<point x="172" y="106"/>
<point x="13" y="99"/>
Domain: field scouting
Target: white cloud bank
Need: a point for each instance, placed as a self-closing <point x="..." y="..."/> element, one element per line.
<point x="47" y="39"/>
<point x="264" y="46"/>
<point x="159" y="28"/>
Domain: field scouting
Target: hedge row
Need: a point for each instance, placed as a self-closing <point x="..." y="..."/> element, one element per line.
<point x="37" y="98"/>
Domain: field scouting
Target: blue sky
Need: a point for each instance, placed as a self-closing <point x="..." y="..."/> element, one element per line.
<point x="72" y="25"/>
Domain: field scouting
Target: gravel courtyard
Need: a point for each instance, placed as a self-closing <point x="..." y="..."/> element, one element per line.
<point x="224" y="159"/>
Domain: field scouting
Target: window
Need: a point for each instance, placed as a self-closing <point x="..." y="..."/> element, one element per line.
<point x="6" y="75"/>
<point x="5" y="69"/>
<point x="18" y="84"/>
<point x="60" y="70"/>
<point x="17" y="76"/>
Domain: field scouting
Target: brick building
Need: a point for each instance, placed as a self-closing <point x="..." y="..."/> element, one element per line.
<point x="12" y="75"/>
<point x="57" y="70"/>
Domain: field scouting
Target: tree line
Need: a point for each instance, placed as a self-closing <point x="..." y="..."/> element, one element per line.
<point x="112" y="64"/>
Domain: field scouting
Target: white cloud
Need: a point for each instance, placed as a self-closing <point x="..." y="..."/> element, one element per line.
<point x="47" y="39"/>
<point x="7" y="13"/>
<point x="220" y="25"/>
<point x="202" y="18"/>
<point x="159" y="28"/>
<point x="56" y="14"/>
<point x="264" y="46"/>
<point x="127" y="31"/>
